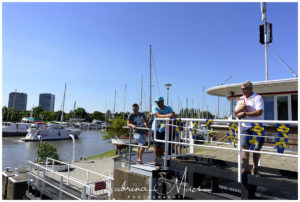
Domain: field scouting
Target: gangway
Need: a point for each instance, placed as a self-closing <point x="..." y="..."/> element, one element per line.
<point x="49" y="183"/>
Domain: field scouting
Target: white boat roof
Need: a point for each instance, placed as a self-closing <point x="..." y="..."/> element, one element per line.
<point x="260" y="87"/>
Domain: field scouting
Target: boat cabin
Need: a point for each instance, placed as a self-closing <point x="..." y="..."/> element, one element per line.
<point x="29" y="120"/>
<point x="280" y="97"/>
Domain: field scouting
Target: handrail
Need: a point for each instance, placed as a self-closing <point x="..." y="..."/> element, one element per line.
<point x="239" y="149"/>
<point x="141" y="146"/>
<point x="90" y="171"/>
<point x="227" y="121"/>
<point x="139" y="128"/>
<point x="57" y="173"/>
<point x="55" y="187"/>
<point x="86" y="186"/>
<point x="107" y="178"/>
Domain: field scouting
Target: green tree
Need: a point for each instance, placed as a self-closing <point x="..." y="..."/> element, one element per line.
<point x="97" y="115"/>
<point x="4" y="113"/>
<point x="80" y="113"/>
<point x="108" y="115"/>
<point x="47" y="150"/>
<point x="11" y="115"/>
<point x="45" y="115"/>
<point x="37" y="111"/>
<point x="24" y="114"/>
<point x="52" y="116"/>
<point x="116" y="129"/>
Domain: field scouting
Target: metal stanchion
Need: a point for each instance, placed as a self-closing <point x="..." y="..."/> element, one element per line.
<point x="129" y="158"/>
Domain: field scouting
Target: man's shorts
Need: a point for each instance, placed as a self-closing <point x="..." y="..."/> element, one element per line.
<point x="159" y="136"/>
<point x="140" y="138"/>
<point x="245" y="139"/>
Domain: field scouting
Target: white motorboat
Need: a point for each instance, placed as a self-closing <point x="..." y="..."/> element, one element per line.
<point x="94" y="125"/>
<point x="44" y="132"/>
<point x="10" y="129"/>
<point x="97" y="123"/>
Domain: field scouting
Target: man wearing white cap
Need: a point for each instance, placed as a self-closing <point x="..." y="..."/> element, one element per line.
<point x="160" y="110"/>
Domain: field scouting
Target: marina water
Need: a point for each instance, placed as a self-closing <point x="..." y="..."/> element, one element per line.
<point x="16" y="153"/>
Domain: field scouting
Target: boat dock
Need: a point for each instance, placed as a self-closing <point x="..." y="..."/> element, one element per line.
<point x="189" y="177"/>
<point x="213" y="172"/>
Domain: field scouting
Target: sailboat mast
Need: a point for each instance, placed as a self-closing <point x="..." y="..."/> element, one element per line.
<point x="31" y="111"/>
<point x="12" y="113"/>
<point x="74" y="110"/>
<point x="150" y="101"/>
<point x="141" y="103"/>
<point x="115" y="102"/>
<point x="63" y="107"/>
<point x="124" y="102"/>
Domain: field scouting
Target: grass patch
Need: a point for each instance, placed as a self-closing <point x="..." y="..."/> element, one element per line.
<point x="111" y="153"/>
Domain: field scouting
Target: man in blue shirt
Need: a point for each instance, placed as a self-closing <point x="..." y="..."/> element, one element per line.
<point x="160" y="110"/>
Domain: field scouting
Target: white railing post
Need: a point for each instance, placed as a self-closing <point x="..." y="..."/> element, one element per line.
<point x="52" y="168"/>
<point x="171" y="137"/>
<point x="240" y="162"/>
<point x="87" y="177"/>
<point x="68" y="174"/>
<point x="191" y="140"/>
<point x="185" y="138"/>
<point x="46" y="163"/>
<point x="89" y="193"/>
<point x="37" y="176"/>
<point x="111" y="189"/>
<point x="61" y="187"/>
<point x="166" y="144"/>
<point x="83" y="193"/>
<point x="29" y="177"/>
<point x="43" y="183"/>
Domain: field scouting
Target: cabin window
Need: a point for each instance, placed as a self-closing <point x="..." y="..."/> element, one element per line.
<point x="294" y="107"/>
<point x="282" y="108"/>
<point x="269" y="108"/>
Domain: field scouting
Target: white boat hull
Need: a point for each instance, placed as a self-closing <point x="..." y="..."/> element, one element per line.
<point x="10" y="129"/>
<point x="51" y="133"/>
<point x="122" y="141"/>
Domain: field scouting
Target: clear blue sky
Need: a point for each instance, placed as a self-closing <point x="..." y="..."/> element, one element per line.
<point x="97" y="48"/>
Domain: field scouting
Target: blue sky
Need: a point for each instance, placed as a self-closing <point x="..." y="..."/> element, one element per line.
<point x="97" y="48"/>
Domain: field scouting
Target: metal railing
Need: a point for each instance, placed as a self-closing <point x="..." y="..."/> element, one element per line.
<point x="188" y="141"/>
<point x="88" y="189"/>
<point x="135" y="145"/>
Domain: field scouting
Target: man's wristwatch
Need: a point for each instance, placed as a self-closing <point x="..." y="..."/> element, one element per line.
<point x="244" y="114"/>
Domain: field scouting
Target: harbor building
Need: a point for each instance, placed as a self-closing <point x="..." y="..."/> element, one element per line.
<point x="18" y="101"/>
<point x="46" y="101"/>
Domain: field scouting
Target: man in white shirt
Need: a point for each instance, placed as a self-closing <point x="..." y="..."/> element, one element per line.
<point x="252" y="109"/>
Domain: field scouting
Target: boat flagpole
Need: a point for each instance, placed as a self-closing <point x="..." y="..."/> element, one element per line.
<point x="63" y="107"/>
<point x="264" y="19"/>
<point x="150" y="101"/>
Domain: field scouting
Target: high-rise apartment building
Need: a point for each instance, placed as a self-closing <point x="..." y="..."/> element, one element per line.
<point x="18" y="101"/>
<point x="47" y="101"/>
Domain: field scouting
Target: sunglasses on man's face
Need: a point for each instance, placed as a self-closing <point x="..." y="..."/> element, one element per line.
<point x="243" y="89"/>
<point x="134" y="109"/>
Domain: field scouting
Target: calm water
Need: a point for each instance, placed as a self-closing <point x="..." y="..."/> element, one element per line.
<point x="16" y="153"/>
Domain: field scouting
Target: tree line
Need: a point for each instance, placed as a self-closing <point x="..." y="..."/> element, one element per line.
<point x="8" y="114"/>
